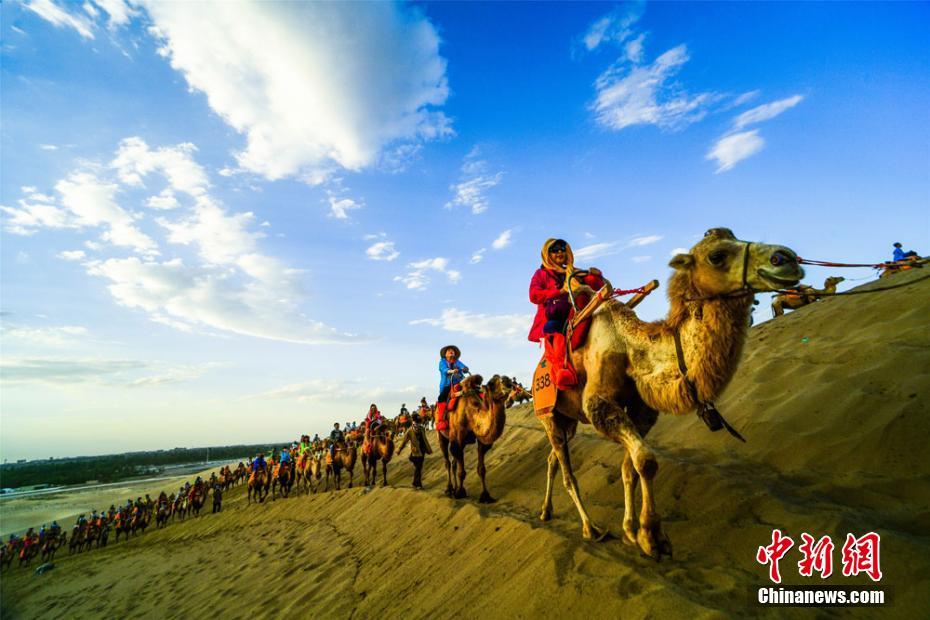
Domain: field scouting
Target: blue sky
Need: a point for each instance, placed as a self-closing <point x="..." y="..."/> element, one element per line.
<point x="240" y="222"/>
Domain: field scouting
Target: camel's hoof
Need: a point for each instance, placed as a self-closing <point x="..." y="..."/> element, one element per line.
<point x="545" y="515"/>
<point x="486" y="498"/>
<point x="450" y="492"/>
<point x="460" y="494"/>
<point x="592" y="532"/>
<point x="654" y="544"/>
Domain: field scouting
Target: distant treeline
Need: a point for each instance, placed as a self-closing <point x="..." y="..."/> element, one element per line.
<point x="114" y="467"/>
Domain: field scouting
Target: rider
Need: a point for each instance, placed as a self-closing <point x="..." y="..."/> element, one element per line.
<point x="451" y="372"/>
<point x="900" y="254"/>
<point x="373" y="420"/>
<point x="285" y="455"/>
<point x="335" y="436"/>
<point x="549" y="290"/>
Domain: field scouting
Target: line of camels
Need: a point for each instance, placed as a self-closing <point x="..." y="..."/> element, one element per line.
<point x="628" y="371"/>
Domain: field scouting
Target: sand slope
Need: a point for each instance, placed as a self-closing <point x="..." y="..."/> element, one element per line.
<point x="837" y="428"/>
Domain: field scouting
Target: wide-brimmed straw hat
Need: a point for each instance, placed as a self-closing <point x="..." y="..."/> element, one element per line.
<point x="442" y="351"/>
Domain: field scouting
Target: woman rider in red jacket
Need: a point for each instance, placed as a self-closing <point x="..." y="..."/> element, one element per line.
<point x="549" y="291"/>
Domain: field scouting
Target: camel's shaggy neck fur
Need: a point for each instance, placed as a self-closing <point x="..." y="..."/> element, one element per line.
<point x="712" y="331"/>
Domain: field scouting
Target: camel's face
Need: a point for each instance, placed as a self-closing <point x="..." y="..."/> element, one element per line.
<point x="834" y="280"/>
<point x="499" y="387"/>
<point x="719" y="264"/>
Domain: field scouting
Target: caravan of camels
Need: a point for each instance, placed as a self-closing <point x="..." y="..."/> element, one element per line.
<point x="602" y="366"/>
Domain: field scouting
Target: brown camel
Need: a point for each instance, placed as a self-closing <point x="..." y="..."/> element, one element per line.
<point x="911" y="262"/>
<point x="258" y="486"/>
<point x="379" y="446"/>
<point x="630" y="370"/>
<point x="478" y="418"/>
<point x="518" y="394"/>
<point x="802" y="295"/>
<point x="344" y="459"/>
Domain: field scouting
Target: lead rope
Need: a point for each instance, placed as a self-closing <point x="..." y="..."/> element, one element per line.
<point x="706" y="411"/>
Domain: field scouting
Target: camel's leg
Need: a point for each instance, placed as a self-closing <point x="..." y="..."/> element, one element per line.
<point x="611" y="420"/>
<point x="458" y="453"/>
<point x="559" y="440"/>
<point x="444" y="448"/>
<point x="384" y="473"/>
<point x="482" y="471"/>
<point x="351" y="475"/>
<point x="777" y="309"/>
<point x="630" y="479"/>
<point x="546" y="513"/>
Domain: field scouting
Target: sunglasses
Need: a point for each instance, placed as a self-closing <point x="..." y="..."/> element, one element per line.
<point x="556" y="250"/>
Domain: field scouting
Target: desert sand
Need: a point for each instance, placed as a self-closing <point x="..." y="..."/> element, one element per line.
<point x="832" y="400"/>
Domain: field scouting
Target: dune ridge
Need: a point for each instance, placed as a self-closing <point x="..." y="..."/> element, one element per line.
<point x="832" y="400"/>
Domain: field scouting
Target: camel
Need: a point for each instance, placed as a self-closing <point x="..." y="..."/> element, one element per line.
<point x="282" y="478"/>
<point x="911" y="262"/>
<point x="257" y="486"/>
<point x="344" y="457"/>
<point x="379" y="446"/>
<point x="479" y="417"/>
<point x="630" y="370"/>
<point x="518" y="394"/>
<point x="312" y="471"/>
<point x="803" y="295"/>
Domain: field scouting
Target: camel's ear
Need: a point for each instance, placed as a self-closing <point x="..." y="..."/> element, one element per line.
<point x="681" y="261"/>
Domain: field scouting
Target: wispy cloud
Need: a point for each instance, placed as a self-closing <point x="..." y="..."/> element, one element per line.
<point x="736" y="145"/>
<point x="382" y="250"/>
<point x="471" y="191"/>
<point x="72" y="255"/>
<point x="115" y="373"/>
<point x="502" y="240"/>
<point x="485" y="326"/>
<point x="339" y="207"/>
<point x="62" y="18"/>
<point x="606" y="248"/>
<point x="337" y="390"/>
<point x="615" y="28"/>
<point x="54" y="336"/>
<point x="417" y="278"/>
<point x="734" y="148"/>
<point x="478" y="256"/>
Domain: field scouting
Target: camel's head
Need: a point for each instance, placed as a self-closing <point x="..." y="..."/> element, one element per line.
<point x="834" y="280"/>
<point x="499" y="387"/>
<point x="720" y="263"/>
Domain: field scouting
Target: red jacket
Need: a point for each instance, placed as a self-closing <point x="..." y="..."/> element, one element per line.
<point x="545" y="285"/>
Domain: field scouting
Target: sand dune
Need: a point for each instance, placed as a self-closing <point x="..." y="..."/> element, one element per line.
<point x="832" y="400"/>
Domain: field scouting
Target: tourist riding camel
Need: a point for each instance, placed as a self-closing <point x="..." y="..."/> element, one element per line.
<point x="802" y="295"/>
<point x="552" y="290"/>
<point x="630" y="370"/>
<point x="477" y="416"/>
<point x="451" y="372"/>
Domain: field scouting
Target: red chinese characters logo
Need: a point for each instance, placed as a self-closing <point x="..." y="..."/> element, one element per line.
<point x="773" y="553"/>
<point x="860" y="555"/>
<point x="817" y="556"/>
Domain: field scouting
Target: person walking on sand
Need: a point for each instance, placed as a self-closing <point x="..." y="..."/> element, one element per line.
<point x="217" y="498"/>
<point x="419" y="448"/>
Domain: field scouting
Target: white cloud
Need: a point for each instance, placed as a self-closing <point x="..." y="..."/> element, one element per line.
<point x="72" y="255"/>
<point x="119" y="12"/>
<point x="93" y="245"/>
<point x="57" y="336"/>
<point x="93" y="201"/>
<point x="732" y="149"/>
<point x="116" y="373"/>
<point x="135" y="160"/>
<point x="503" y="326"/>
<point x="164" y="201"/>
<point x="220" y="237"/>
<point x="382" y="250"/>
<point x="336" y="390"/>
<point x="765" y="112"/>
<point x="56" y="15"/>
<point x="276" y="83"/>
<point x="613" y="28"/>
<point x="48" y="147"/>
<point x="746" y="97"/>
<point x="643" y="240"/>
<point x="478" y="256"/>
<point x="35" y="211"/>
<point x="471" y="191"/>
<point x="646" y="95"/>
<point x="640" y="259"/>
<point x="339" y="207"/>
<point x="596" y="250"/>
<point x="257" y="304"/>
<point x="503" y="240"/>
<point x="417" y="278"/>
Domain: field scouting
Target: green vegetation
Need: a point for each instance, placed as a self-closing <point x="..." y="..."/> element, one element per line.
<point x="115" y="467"/>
